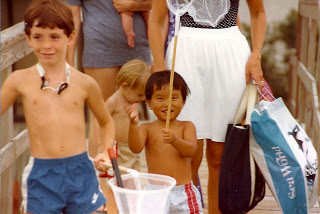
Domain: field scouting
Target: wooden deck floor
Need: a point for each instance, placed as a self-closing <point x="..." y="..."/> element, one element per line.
<point x="267" y="206"/>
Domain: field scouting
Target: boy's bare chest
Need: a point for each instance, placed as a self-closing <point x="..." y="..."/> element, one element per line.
<point x="37" y="99"/>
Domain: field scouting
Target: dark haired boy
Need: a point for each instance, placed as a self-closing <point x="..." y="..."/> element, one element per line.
<point x="168" y="151"/>
<point x="60" y="177"/>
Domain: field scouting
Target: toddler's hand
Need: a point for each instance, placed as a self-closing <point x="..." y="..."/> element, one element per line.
<point x="133" y="112"/>
<point x="168" y="136"/>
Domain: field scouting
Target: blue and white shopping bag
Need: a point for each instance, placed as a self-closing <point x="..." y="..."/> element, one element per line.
<point x="285" y="156"/>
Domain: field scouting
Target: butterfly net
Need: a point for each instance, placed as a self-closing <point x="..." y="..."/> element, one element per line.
<point x="204" y="12"/>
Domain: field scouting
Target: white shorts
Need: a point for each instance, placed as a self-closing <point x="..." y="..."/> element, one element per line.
<point x="182" y="199"/>
<point x="212" y="62"/>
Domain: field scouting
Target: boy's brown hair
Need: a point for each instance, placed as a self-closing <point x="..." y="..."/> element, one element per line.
<point x="49" y="13"/>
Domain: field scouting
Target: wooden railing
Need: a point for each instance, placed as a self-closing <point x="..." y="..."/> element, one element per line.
<point x="13" y="48"/>
<point x="304" y="75"/>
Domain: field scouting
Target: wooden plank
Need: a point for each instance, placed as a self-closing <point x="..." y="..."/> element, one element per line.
<point x="317" y="72"/>
<point x="312" y="47"/>
<point x="304" y="42"/>
<point x="7" y="131"/>
<point x="6" y="193"/>
<point x="301" y="102"/>
<point x="14" y="45"/>
<point x="306" y="78"/>
<point x="10" y="152"/>
<point x="309" y="9"/>
<point x="308" y="115"/>
<point x="21" y="143"/>
<point x="292" y="81"/>
<point x="316" y="134"/>
<point x="7" y="156"/>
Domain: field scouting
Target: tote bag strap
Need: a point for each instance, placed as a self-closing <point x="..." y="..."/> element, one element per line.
<point x="252" y="99"/>
<point x="247" y="103"/>
<point x="242" y="107"/>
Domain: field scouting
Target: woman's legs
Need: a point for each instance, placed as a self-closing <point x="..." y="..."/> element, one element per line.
<point x="196" y="162"/>
<point x="214" y="155"/>
<point x="106" y="78"/>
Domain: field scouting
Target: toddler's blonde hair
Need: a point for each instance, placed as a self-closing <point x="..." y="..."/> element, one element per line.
<point x="134" y="73"/>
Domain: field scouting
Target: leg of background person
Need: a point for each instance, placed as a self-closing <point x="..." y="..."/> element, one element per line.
<point x="196" y="161"/>
<point x="214" y="155"/>
<point x="106" y="78"/>
<point x="195" y="164"/>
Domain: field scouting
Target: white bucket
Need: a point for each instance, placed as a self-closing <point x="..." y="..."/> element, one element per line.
<point x="143" y="193"/>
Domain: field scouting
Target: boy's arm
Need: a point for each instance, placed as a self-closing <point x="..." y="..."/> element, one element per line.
<point x="9" y="92"/>
<point x="186" y="145"/>
<point x="137" y="134"/>
<point x="105" y="121"/>
<point x="96" y="127"/>
<point x="76" y="13"/>
<point x="132" y="5"/>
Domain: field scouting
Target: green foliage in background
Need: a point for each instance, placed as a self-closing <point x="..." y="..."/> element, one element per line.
<point x="279" y="42"/>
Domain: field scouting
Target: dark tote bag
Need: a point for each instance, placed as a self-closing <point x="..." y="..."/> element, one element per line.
<point x="241" y="184"/>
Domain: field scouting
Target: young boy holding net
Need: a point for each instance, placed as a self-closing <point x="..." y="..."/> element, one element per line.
<point x="168" y="151"/>
<point x="60" y="177"/>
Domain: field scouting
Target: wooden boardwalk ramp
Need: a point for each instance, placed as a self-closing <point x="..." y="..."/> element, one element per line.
<point x="267" y="206"/>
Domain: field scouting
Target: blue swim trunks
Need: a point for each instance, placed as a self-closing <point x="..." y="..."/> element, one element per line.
<point x="64" y="185"/>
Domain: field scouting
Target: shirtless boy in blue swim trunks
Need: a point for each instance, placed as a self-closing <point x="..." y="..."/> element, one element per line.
<point x="60" y="178"/>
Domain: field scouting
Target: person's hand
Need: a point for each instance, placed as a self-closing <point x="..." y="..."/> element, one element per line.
<point x="254" y="70"/>
<point x="168" y="136"/>
<point x="122" y="5"/>
<point x="133" y="112"/>
<point x="99" y="161"/>
<point x="152" y="67"/>
<point x="155" y="68"/>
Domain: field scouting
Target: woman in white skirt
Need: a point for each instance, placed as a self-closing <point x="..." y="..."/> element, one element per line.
<point x="216" y="62"/>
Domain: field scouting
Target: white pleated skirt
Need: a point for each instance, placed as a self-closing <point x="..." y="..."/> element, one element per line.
<point x="212" y="62"/>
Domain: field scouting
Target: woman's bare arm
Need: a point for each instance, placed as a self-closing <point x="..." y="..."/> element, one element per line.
<point x="76" y="13"/>
<point x="258" y="31"/>
<point x="157" y="33"/>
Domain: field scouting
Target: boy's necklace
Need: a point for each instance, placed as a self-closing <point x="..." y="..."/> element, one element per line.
<point x="62" y="85"/>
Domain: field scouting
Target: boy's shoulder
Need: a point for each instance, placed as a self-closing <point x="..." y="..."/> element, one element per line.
<point x="22" y="75"/>
<point x="81" y="77"/>
<point x="184" y="123"/>
<point x="24" y="71"/>
<point x="184" y="126"/>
